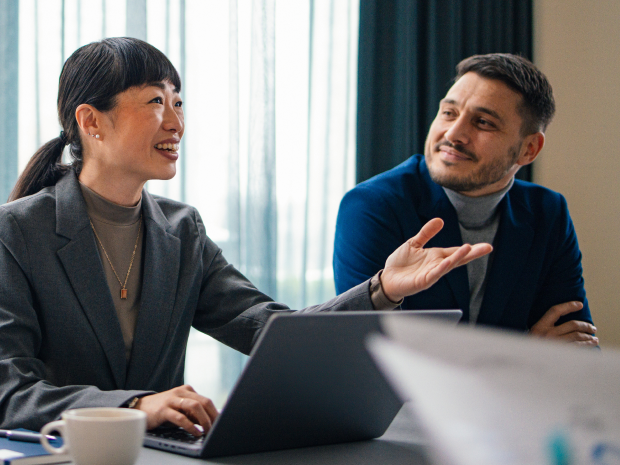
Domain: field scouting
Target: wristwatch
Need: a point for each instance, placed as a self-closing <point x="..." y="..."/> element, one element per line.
<point x="133" y="402"/>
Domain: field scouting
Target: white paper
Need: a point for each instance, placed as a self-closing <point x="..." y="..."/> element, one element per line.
<point x="493" y="397"/>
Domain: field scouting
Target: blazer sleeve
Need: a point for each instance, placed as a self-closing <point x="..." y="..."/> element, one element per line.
<point x="563" y="280"/>
<point x="367" y="232"/>
<point x="27" y="398"/>
<point x="232" y="310"/>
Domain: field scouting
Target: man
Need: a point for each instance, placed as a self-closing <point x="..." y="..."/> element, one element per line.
<point x="490" y="123"/>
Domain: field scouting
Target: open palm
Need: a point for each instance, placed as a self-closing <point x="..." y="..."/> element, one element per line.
<point x="411" y="268"/>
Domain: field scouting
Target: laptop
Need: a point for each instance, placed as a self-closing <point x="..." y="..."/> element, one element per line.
<point x="309" y="381"/>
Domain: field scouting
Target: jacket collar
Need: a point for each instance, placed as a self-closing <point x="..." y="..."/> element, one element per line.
<point x="160" y="276"/>
<point x="83" y="266"/>
<point x="512" y="244"/>
<point x="82" y="263"/>
<point x="71" y="214"/>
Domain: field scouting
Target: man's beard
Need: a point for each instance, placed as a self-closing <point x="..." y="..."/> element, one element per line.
<point x="480" y="176"/>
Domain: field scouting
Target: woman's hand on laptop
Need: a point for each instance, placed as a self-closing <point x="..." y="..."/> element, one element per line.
<point x="181" y="406"/>
<point x="411" y="268"/>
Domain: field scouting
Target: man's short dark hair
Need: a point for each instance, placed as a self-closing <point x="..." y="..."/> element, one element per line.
<point x="518" y="73"/>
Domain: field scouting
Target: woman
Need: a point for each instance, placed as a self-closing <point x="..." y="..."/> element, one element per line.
<point x="100" y="281"/>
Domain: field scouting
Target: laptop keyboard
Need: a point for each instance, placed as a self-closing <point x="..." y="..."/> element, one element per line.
<point x="176" y="434"/>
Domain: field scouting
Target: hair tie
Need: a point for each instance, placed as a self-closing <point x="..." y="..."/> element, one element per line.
<point x="63" y="137"/>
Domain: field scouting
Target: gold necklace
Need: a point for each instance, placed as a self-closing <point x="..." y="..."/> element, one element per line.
<point x="133" y="255"/>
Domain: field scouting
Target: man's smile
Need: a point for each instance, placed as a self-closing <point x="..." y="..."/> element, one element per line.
<point x="451" y="154"/>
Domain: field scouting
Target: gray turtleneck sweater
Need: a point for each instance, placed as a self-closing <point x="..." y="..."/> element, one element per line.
<point x="478" y="221"/>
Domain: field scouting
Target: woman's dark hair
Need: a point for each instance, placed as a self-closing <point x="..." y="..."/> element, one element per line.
<point x="94" y="74"/>
<point x="538" y="105"/>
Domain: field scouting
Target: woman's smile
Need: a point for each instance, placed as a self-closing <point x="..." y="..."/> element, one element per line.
<point x="169" y="148"/>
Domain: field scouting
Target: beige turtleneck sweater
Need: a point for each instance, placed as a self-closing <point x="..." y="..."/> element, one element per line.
<point x="117" y="228"/>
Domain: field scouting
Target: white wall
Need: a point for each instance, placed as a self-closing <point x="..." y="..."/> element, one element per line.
<point x="577" y="45"/>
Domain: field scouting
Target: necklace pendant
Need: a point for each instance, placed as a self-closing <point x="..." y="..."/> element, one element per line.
<point x="123" y="293"/>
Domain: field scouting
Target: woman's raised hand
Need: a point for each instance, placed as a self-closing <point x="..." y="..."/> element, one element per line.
<point x="411" y="268"/>
<point x="181" y="406"/>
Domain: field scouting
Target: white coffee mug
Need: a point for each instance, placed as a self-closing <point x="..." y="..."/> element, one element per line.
<point x="98" y="436"/>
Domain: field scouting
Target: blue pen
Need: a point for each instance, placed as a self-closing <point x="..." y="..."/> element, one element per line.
<point x="24" y="436"/>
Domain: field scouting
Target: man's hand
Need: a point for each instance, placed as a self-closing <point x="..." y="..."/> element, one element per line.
<point x="412" y="268"/>
<point x="578" y="332"/>
<point x="181" y="406"/>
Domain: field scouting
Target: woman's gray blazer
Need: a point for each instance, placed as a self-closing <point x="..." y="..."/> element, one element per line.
<point x="61" y="345"/>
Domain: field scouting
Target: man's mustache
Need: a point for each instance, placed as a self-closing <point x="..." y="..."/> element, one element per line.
<point x="459" y="148"/>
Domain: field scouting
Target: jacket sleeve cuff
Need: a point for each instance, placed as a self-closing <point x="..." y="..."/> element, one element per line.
<point x="378" y="297"/>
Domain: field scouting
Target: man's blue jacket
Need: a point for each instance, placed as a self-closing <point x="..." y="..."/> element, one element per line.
<point x="535" y="264"/>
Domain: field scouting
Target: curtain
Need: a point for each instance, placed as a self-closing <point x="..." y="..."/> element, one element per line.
<point x="9" y="83"/>
<point x="408" y="51"/>
<point x="269" y="91"/>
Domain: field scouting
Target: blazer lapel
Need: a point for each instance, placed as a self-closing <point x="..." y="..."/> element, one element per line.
<point x="511" y="248"/>
<point x="82" y="264"/>
<point x="159" y="285"/>
<point x="437" y="205"/>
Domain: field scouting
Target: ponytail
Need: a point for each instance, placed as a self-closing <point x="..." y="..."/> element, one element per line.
<point x="44" y="169"/>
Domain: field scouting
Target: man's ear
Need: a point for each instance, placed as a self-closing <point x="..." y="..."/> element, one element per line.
<point x="87" y="118"/>
<point x="530" y="148"/>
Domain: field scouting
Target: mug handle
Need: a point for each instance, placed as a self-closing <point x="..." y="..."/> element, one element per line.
<point x="50" y="427"/>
